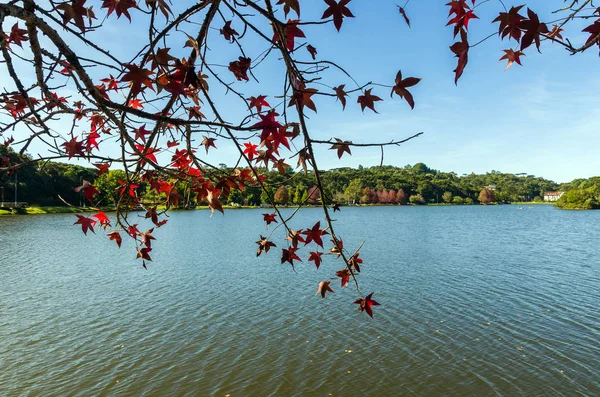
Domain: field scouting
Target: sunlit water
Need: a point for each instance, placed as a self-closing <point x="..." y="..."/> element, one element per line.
<point x="476" y="301"/>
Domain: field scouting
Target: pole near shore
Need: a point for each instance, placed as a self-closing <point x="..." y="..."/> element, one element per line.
<point x="16" y="187"/>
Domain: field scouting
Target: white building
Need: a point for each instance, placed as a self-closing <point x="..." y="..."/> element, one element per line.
<point x="552" y="196"/>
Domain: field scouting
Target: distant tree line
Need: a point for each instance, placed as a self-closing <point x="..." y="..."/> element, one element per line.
<point x="580" y="194"/>
<point x="49" y="183"/>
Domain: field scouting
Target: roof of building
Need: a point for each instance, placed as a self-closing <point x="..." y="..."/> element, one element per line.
<point x="553" y="193"/>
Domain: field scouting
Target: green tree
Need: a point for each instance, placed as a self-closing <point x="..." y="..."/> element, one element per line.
<point x="447" y="197"/>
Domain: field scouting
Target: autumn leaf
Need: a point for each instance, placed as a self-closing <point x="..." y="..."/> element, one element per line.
<point x="137" y="77"/>
<point x="555" y="33"/>
<point x="102" y="168"/>
<point x="533" y="29"/>
<point x="269" y="218"/>
<point x="512" y="56"/>
<point x="289" y="255"/>
<point x="316" y="257"/>
<point x="337" y="247"/>
<point x="366" y="304"/>
<point x="264" y="245"/>
<point x="400" y="88"/>
<point x="74" y="147"/>
<point x="509" y="23"/>
<point x="290" y="31"/>
<point x="250" y="150"/>
<point x="86" y="223"/>
<point x="214" y="203"/>
<point x="344" y="275"/>
<point x="240" y="68"/>
<point x="120" y="7"/>
<point x="594" y="31"/>
<point x="314" y="234"/>
<point x="403" y="13"/>
<point x="258" y="102"/>
<point x="290" y="5"/>
<point x="338" y="11"/>
<point x="208" y="142"/>
<point x="88" y="190"/>
<point x="17" y="35"/>
<point x="354" y="261"/>
<point x="228" y="32"/>
<point x="368" y="100"/>
<point x="140" y="133"/>
<point x="341" y="94"/>
<point x="102" y="219"/>
<point x="144" y="253"/>
<point x="162" y="5"/>
<point x="115" y="236"/>
<point x="461" y="51"/>
<point x="76" y="11"/>
<point x="312" y="50"/>
<point x="341" y="147"/>
<point x="147" y="237"/>
<point x="324" y="287"/>
<point x="336" y="207"/>
<point x="302" y="97"/>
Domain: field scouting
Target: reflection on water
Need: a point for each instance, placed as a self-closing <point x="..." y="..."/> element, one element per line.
<point x="475" y="301"/>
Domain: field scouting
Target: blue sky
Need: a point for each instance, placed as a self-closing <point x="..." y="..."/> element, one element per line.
<point x="540" y="118"/>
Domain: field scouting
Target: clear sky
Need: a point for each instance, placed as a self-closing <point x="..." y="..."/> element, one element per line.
<point x="541" y="118"/>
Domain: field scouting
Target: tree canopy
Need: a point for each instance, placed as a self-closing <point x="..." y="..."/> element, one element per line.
<point x="242" y="76"/>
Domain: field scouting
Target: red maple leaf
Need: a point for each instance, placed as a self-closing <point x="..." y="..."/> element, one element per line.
<point x="366" y="304"/>
<point x="302" y="97"/>
<point x="88" y="190"/>
<point x="91" y="141"/>
<point x="147" y="237"/>
<point x="368" y="100"/>
<point x="171" y="144"/>
<point x="461" y="50"/>
<point x="103" y="219"/>
<point x="146" y="153"/>
<point x="289" y="255"/>
<point x="258" y="102"/>
<point x="400" y="88"/>
<point x="316" y="257"/>
<point x="268" y="124"/>
<point x="312" y="50"/>
<point x="208" y="142"/>
<point x="137" y="77"/>
<point x="324" y="287"/>
<point x="136" y="104"/>
<point x="341" y="147"/>
<point x="250" y="150"/>
<point x="116" y="236"/>
<point x="533" y="29"/>
<point x="512" y="56"/>
<point x="314" y="234"/>
<point x="240" y="68"/>
<point x="112" y="84"/>
<point x="17" y="35"/>
<point x="120" y="7"/>
<point x="228" y="32"/>
<point x="270" y="218"/>
<point x="74" y="147"/>
<point x="140" y="133"/>
<point x="144" y="253"/>
<point x="338" y="11"/>
<point x="290" y="5"/>
<point x="509" y="23"/>
<point x="290" y="31"/>
<point x="355" y="261"/>
<point x="594" y="31"/>
<point x="76" y="11"/>
<point x="341" y="94"/>
<point x="264" y="245"/>
<point x="86" y="223"/>
<point x="102" y="168"/>
<point x="344" y="275"/>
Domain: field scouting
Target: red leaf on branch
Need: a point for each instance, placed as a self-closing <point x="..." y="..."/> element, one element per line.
<point x="147" y="237"/>
<point x="258" y="102"/>
<point x="324" y="287"/>
<point x="316" y="257"/>
<point x="144" y="253"/>
<point x="76" y="11"/>
<point x="594" y="31"/>
<point x="74" y="147"/>
<point x="368" y="100"/>
<point x="115" y="236"/>
<point x="120" y="7"/>
<point x="17" y="35"/>
<point x="86" y="223"/>
<point x="102" y="168"/>
<point x="103" y="219"/>
<point x="344" y="275"/>
<point x="264" y="245"/>
<point x="403" y="13"/>
<point x="355" y="262"/>
<point x="140" y="133"/>
<point x="312" y="50"/>
<point x="228" y="32"/>
<point x="240" y="68"/>
<point x="400" y="88"/>
<point x="290" y="5"/>
<point x="533" y="29"/>
<point x="314" y="234"/>
<point x="289" y="255"/>
<point x="512" y="56"/>
<point x="250" y="150"/>
<point x="208" y="142"/>
<point x="341" y="147"/>
<point x="366" y="304"/>
<point x="509" y="23"/>
<point x="555" y="33"/>
<point x="338" y="11"/>
<point x="302" y="97"/>
<point x="137" y="77"/>
<point x="341" y="94"/>
<point x="290" y="31"/>
<point x="88" y="189"/>
<point x="270" y="218"/>
<point x="461" y="50"/>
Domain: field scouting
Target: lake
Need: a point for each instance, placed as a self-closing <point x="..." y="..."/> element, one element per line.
<point x="475" y="301"/>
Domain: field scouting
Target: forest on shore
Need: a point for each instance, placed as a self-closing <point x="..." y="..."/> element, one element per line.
<point x="53" y="183"/>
